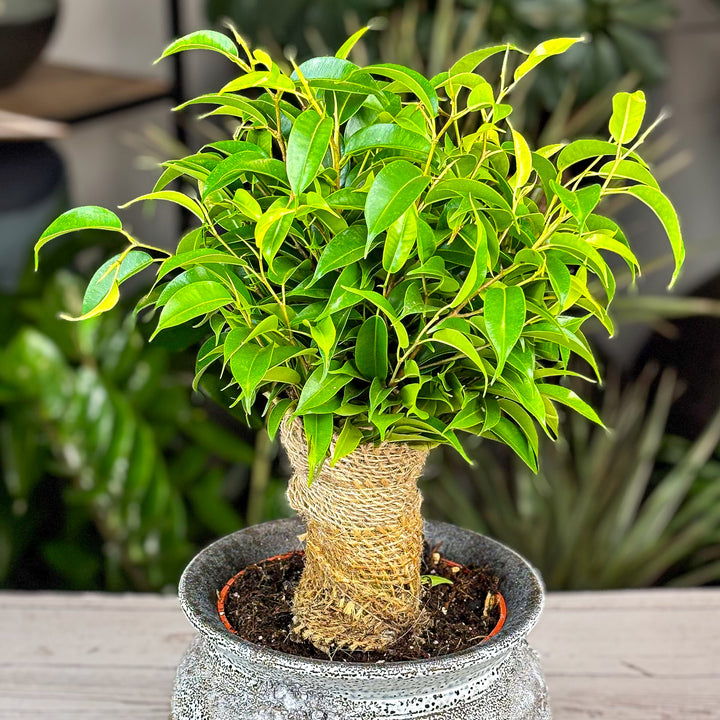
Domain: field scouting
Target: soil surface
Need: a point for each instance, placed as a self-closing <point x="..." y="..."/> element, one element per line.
<point x="258" y="607"/>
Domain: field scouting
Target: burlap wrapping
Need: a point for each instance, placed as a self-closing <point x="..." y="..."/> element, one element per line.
<point x="360" y="588"/>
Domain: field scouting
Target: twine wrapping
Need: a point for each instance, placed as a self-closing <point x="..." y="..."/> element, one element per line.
<point x="360" y="588"/>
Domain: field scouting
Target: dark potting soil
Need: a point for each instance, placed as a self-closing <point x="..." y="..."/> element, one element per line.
<point x="258" y="607"/>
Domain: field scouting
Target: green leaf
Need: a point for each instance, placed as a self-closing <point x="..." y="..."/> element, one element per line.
<point x="350" y="43"/>
<point x="630" y="170"/>
<point x="348" y="440"/>
<point x="193" y="301"/>
<point x="481" y="96"/>
<point x="507" y="432"/>
<point x="324" y="334"/>
<point x="381" y="303"/>
<point x="663" y="208"/>
<point x="114" y="271"/>
<point x="571" y="399"/>
<point x="560" y="278"/>
<point x="456" y="339"/>
<point x="89" y="217"/>
<point x="580" y="203"/>
<point x="171" y="196"/>
<point x="201" y="256"/>
<point x="319" y="388"/>
<point x="272" y="79"/>
<point x="478" y="269"/>
<point x="247" y="162"/>
<point x="371" y="348"/>
<point x="469" y="62"/>
<point x="434" y="580"/>
<point x="308" y="143"/>
<point x="202" y="40"/>
<point x="400" y="240"/>
<point x="388" y="136"/>
<point x="412" y="81"/>
<point x="343" y="250"/>
<point x="523" y="160"/>
<point x="581" y="150"/>
<point x="278" y="411"/>
<point x="543" y="51"/>
<point x="504" y="320"/>
<point x="627" y="117"/>
<point x="397" y="186"/>
<point x="273" y="227"/>
<point x="318" y="433"/>
<point x="248" y="367"/>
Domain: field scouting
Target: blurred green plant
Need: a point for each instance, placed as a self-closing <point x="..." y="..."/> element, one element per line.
<point x="629" y="508"/>
<point x="568" y="97"/>
<point x="112" y="474"/>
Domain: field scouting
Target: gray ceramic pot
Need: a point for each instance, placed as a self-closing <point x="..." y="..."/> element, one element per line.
<point x="222" y="677"/>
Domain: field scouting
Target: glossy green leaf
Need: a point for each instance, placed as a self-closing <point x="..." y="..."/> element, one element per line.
<point x="344" y="249"/>
<point x="243" y="163"/>
<point x="523" y="160"/>
<point x="308" y="143"/>
<point x="570" y="398"/>
<point x="504" y="320"/>
<point x="277" y="412"/>
<point x="273" y="227"/>
<point x="396" y="187"/>
<point x="477" y="271"/>
<point x="324" y="334"/>
<point x="193" y="301"/>
<point x="319" y="434"/>
<point x="378" y="301"/>
<point x="388" y="136"/>
<point x="89" y="217"/>
<point x="348" y="440"/>
<point x="319" y="388"/>
<point x="114" y="271"/>
<point x="469" y="62"/>
<point x="350" y="43"/>
<point x="560" y="279"/>
<point x="510" y="434"/>
<point x="542" y="52"/>
<point x="411" y="80"/>
<point x="457" y="340"/>
<point x="248" y="367"/>
<point x="580" y="203"/>
<point x="582" y="150"/>
<point x="371" y="348"/>
<point x="400" y="241"/>
<point x="172" y="196"/>
<point x="663" y="208"/>
<point x="202" y="40"/>
<point x="630" y="170"/>
<point x="627" y="117"/>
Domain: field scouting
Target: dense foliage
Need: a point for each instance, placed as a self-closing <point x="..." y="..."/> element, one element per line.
<point x="366" y="265"/>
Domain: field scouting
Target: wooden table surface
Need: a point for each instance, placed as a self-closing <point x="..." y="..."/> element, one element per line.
<point x="640" y="655"/>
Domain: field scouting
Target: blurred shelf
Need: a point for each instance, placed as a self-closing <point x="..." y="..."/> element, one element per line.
<point x="69" y="94"/>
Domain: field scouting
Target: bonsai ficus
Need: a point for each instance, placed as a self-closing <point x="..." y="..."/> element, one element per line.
<point x="376" y="282"/>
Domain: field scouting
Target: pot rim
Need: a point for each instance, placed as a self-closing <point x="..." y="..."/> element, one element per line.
<point x="209" y="623"/>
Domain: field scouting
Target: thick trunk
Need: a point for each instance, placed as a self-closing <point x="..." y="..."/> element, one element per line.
<point x="361" y="585"/>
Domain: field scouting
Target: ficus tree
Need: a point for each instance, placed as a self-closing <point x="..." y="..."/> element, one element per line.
<point x="378" y="279"/>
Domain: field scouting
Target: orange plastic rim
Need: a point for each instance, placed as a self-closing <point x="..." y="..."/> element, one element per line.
<point x="223" y="595"/>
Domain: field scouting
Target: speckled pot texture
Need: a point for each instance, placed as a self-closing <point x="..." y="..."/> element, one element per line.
<point x="222" y="677"/>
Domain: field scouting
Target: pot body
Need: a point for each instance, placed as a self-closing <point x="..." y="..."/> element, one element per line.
<point x="222" y="677"/>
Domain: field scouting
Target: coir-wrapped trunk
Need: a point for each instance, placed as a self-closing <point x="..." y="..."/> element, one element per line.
<point x="360" y="588"/>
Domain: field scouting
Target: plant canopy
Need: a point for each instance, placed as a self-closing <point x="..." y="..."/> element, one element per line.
<point x="364" y="264"/>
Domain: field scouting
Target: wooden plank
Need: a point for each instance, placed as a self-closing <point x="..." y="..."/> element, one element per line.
<point x="56" y="92"/>
<point x="640" y="655"/>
